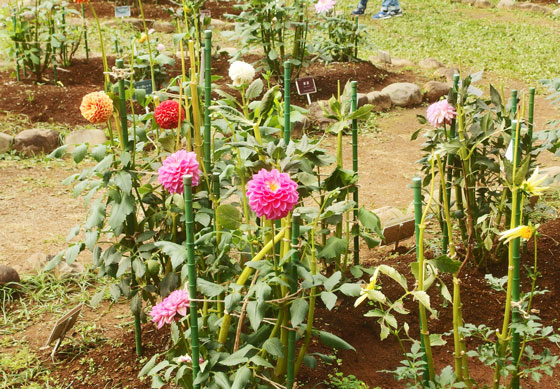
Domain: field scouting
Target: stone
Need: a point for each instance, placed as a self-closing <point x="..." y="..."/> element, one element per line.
<point x="36" y="263"/>
<point x="135" y="22"/>
<point x="388" y="214"/>
<point x="362" y="99"/>
<point x="430" y="63"/>
<point x="553" y="173"/>
<point x="446" y="73"/>
<point x="8" y="275"/>
<point x="5" y="142"/>
<point x="91" y="137"/>
<point x="533" y="7"/>
<point x="166" y="27"/>
<point x="36" y="141"/>
<point x="401" y="63"/>
<point x="404" y="94"/>
<point x="483" y="4"/>
<point x="469" y="2"/>
<point x="381" y="101"/>
<point x="506" y="4"/>
<point x="556" y="12"/>
<point x="434" y="90"/>
<point x="384" y="57"/>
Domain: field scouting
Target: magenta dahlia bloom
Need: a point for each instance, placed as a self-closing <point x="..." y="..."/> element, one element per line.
<point x="174" y="167"/>
<point x="272" y="194"/>
<point x="440" y="113"/>
<point x="171" y="306"/>
<point x="323" y="6"/>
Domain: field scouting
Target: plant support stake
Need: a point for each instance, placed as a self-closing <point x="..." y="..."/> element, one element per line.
<point x="287" y="126"/>
<point x="122" y="108"/>
<point x="290" y="374"/>
<point x="85" y="32"/>
<point x="417" y="188"/>
<point x="207" y="97"/>
<point x="353" y="107"/>
<point x="191" y="274"/>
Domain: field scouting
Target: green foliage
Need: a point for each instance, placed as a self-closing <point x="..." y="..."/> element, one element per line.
<point x="343" y="36"/>
<point x="340" y="381"/>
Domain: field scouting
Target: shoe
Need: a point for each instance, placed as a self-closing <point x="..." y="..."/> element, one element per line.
<point x="396" y="13"/>
<point x="360" y="10"/>
<point x="381" y="15"/>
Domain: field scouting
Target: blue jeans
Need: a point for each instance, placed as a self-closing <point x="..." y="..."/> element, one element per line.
<point x="386" y="5"/>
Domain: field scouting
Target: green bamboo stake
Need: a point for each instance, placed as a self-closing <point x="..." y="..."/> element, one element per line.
<point x="513" y="108"/>
<point x="191" y="275"/>
<point x="353" y="107"/>
<point x="417" y="188"/>
<point x="217" y="229"/>
<point x="116" y="46"/>
<point x="531" y="119"/>
<point x="207" y="98"/>
<point x="290" y="373"/>
<point x="14" y="20"/>
<point x="450" y="161"/>
<point x="287" y="125"/>
<point x="122" y="108"/>
<point x="515" y="293"/>
<point x="85" y="32"/>
<point x="55" y="72"/>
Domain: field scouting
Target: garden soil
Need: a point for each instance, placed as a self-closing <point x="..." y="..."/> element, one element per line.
<point x="113" y="362"/>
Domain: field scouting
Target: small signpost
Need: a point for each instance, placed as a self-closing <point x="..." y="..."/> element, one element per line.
<point x="400" y="229"/>
<point x="122" y="11"/>
<point x="62" y="326"/>
<point x="144" y="84"/>
<point x="306" y="86"/>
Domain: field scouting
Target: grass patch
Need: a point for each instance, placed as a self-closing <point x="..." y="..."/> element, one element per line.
<point x="516" y="44"/>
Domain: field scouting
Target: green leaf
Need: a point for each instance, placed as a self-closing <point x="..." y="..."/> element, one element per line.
<point x="96" y="215"/>
<point x="254" y="90"/>
<point x="72" y="253"/>
<point x="329" y="299"/>
<point x="138" y="267"/>
<point x="446" y="264"/>
<point x="361" y="113"/>
<point x="274" y="347"/>
<point x="58" y="152"/>
<point x="207" y="288"/>
<point x="96" y="299"/>
<point x="242" y="378"/>
<point x="124" y="181"/>
<point x="268" y="100"/>
<point x="176" y="252"/>
<point x="228" y="217"/>
<point x="148" y="366"/>
<point x="237" y="357"/>
<point x="437" y="340"/>
<point x="334" y="248"/>
<point x="121" y="209"/>
<point x="370" y="220"/>
<point x="423" y="298"/>
<point x="352" y="290"/>
<point x="124" y="265"/>
<point x="394" y="274"/>
<point x="79" y="153"/>
<point x="260" y="361"/>
<point x="334" y="341"/>
<point x="298" y="311"/>
<point x="54" y="262"/>
<point x="331" y="282"/>
<point x="221" y="379"/>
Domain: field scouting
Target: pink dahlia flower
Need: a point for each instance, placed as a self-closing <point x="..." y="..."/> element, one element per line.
<point x="440" y="113"/>
<point x="174" y="167"/>
<point x="187" y="359"/>
<point x="323" y="6"/>
<point x="167" y="114"/>
<point x="171" y="306"/>
<point x="272" y="194"/>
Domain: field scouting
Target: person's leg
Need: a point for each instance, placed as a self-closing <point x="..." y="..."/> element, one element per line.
<point x="361" y="8"/>
<point x="395" y="8"/>
<point x="385" y="5"/>
<point x="384" y="13"/>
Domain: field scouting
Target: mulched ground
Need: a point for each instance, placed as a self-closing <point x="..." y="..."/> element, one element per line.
<point x="154" y="9"/>
<point x="119" y="366"/>
<point x="47" y="102"/>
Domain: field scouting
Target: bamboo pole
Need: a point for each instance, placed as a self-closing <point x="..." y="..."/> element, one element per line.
<point x="14" y="21"/>
<point x="417" y="188"/>
<point x="122" y="108"/>
<point x="85" y="32"/>
<point x="207" y="98"/>
<point x="287" y="124"/>
<point x="191" y="274"/>
<point x="290" y="376"/>
<point x="353" y="107"/>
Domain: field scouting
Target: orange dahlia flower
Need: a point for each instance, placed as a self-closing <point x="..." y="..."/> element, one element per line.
<point x="81" y="1"/>
<point x="97" y="107"/>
